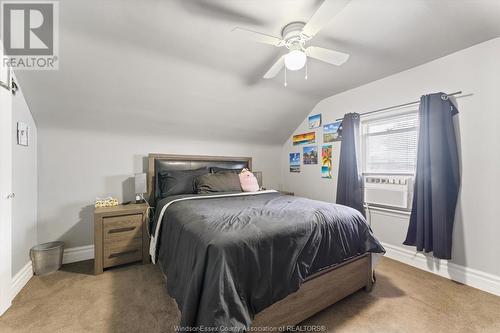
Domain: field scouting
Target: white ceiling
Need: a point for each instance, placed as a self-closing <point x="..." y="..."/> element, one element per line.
<point x="174" y="67"/>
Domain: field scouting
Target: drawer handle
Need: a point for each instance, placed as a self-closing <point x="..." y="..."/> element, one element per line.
<point x="119" y="254"/>
<point x="114" y="231"/>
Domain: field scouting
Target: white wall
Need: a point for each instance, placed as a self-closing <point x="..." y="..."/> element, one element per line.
<point x="75" y="167"/>
<point x="475" y="71"/>
<point x="24" y="184"/>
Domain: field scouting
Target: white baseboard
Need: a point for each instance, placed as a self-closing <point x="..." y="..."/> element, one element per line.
<point x="468" y="276"/>
<point x="73" y="254"/>
<point x="80" y="253"/>
<point x="20" y="279"/>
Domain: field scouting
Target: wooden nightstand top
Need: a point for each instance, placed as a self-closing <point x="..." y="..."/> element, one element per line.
<point x="121" y="209"/>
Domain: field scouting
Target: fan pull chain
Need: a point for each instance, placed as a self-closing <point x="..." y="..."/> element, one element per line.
<point x="306" y="70"/>
<point x="285" y="77"/>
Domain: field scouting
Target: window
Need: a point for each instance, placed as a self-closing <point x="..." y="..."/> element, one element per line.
<point x="390" y="144"/>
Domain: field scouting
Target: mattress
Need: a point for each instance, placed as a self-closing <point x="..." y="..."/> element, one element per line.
<point x="229" y="256"/>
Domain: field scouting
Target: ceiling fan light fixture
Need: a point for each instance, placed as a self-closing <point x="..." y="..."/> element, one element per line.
<point x="295" y="60"/>
<point x="296" y="35"/>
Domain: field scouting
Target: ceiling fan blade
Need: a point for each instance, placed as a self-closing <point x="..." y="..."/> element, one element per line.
<point x="258" y="37"/>
<point x="275" y="68"/>
<point x="328" y="56"/>
<point x="326" y="12"/>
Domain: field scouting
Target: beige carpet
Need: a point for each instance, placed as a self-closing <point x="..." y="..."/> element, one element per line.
<point x="134" y="299"/>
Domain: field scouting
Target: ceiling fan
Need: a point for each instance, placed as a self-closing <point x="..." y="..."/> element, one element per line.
<point x="294" y="37"/>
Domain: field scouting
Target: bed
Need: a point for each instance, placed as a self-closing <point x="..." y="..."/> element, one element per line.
<point x="235" y="260"/>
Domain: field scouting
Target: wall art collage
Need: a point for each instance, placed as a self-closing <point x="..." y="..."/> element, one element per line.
<point x="310" y="153"/>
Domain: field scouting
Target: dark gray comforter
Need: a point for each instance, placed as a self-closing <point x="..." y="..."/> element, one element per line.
<point x="228" y="258"/>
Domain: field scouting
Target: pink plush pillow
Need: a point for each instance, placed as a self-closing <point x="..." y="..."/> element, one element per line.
<point x="248" y="181"/>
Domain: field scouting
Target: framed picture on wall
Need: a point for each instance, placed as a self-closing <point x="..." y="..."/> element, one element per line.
<point x="314" y="121"/>
<point x="331" y="132"/>
<point x="294" y="162"/>
<point x="305" y="138"/>
<point x="310" y="155"/>
<point x="326" y="161"/>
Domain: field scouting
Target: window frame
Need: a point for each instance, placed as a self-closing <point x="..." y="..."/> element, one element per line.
<point x="364" y="138"/>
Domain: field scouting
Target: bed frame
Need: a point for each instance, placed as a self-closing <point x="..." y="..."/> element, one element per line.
<point x="318" y="291"/>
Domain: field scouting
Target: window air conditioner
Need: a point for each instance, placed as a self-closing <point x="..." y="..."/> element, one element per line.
<point x="392" y="191"/>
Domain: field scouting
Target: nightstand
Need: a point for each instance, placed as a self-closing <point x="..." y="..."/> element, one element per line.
<point x="120" y="235"/>
<point x="286" y="193"/>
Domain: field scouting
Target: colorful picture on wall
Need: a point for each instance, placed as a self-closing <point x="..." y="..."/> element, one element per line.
<point x="315" y="121"/>
<point x="311" y="155"/>
<point x="294" y="162"/>
<point x="304" y="139"/>
<point x="326" y="161"/>
<point x="331" y="132"/>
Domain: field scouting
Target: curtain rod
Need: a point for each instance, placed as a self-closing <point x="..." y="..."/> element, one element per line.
<point x="397" y="106"/>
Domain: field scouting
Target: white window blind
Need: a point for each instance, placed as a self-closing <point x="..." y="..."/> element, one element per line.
<point x="390" y="144"/>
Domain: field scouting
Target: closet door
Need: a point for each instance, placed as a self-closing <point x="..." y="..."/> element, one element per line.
<point x="6" y="197"/>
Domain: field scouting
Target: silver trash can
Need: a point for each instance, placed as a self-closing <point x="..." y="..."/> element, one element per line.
<point x="47" y="258"/>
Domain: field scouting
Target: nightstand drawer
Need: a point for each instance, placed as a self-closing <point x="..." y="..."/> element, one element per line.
<point x="120" y="235"/>
<point x="122" y="227"/>
<point x="122" y="251"/>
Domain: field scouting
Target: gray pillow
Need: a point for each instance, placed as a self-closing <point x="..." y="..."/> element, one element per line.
<point x="172" y="182"/>
<point x="218" y="182"/>
<point x="224" y="170"/>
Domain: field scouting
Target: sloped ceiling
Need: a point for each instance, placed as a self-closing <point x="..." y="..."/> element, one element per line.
<point x="174" y="67"/>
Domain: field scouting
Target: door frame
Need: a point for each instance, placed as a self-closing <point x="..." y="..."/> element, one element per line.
<point x="6" y="138"/>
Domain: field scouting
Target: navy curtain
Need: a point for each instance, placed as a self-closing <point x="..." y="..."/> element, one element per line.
<point x="349" y="183"/>
<point x="437" y="178"/>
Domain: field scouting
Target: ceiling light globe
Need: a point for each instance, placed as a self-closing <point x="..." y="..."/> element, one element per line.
<point x="295" y="60"/>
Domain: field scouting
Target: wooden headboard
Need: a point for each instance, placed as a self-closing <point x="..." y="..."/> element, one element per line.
<point x="189" y="162"/>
